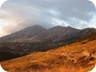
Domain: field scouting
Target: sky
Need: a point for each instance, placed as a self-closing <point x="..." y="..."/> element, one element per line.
<point x="18" y="14"/>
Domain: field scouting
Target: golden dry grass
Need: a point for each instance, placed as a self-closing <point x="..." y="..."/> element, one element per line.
<point x="69" y="58"/>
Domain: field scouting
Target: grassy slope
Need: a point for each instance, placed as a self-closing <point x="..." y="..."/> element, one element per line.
<point x="68" y="58"/>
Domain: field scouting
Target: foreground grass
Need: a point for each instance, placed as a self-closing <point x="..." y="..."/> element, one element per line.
<point x="69" y="58"/>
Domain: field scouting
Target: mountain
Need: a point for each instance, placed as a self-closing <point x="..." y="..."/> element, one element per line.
<point x="38" y="39"/>
<point x="37" y="33"/>
<point x="20" y="36"/>
<point x="58" y="32"/>
<point x="64" y="35"/>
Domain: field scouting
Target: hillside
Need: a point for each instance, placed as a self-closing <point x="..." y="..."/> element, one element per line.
<point x="70" y="58"/>
<point x="30" y="40"/>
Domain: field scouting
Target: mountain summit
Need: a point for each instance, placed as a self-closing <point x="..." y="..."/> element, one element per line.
<point x="24" y="34"/>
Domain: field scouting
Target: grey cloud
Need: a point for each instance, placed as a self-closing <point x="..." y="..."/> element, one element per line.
<point x="68" y="8"/>
<point x="30" y="12"/>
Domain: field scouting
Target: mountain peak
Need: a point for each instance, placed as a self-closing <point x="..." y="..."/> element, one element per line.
<point x="35" y="26"/>
<point x="60" y="28"/>
<point x="28" y="32"/>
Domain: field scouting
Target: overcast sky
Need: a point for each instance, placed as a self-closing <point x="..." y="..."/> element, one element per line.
<point x="18" y="14"/>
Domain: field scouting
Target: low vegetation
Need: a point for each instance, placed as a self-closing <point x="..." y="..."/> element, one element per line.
<point x="76" y="57"/>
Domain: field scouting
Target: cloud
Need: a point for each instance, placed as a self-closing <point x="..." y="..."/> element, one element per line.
<point x="23" y="13"/>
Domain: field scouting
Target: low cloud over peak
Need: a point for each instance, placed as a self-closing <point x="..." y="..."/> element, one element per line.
<point x="23" y="13"/>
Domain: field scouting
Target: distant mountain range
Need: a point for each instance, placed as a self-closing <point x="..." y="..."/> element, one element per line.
<point x="36" y="38"/>
<point x="39" y="34"/>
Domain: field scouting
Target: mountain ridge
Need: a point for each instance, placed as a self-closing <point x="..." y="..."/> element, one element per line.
<point x="38" y="33"/>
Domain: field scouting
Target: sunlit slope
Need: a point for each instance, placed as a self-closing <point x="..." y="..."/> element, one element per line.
<point x="70" y="58"/>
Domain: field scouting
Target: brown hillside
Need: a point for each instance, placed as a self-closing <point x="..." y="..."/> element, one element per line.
<point x="69" y="58"/>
